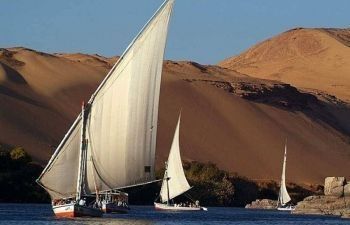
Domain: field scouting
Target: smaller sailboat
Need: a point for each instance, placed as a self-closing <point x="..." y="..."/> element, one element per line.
<point x="175" y="182"/>
<point x="284" y="200"/>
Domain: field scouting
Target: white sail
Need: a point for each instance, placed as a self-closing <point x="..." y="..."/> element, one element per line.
<point x="284" y="197"/>
<point x="122" y="122"/>
<point x="174" y="176"/>
<point x="59" y="177"/>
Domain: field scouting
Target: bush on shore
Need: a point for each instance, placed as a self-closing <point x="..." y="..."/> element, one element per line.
<point x="211" y="185"/>
<point x="17" y="177"/>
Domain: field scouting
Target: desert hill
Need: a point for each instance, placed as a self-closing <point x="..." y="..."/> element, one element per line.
<point x="306" y="58"/>
<point x="236" y="121"/>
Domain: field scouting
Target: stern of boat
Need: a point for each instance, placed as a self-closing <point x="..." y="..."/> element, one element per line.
<point x="75" y="210"/>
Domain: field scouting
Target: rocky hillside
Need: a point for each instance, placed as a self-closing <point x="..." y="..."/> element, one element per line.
<point x="316" y="59"/>
<point x="335" y="200"/>
<point x="234" y="120"/>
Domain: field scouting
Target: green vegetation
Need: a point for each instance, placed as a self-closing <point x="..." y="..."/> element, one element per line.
<point x="17" y="177"/>
<point x="215" y="187"/>
<point x="211" y="185"/>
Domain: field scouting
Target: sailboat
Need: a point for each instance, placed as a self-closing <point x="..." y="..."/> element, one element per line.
<point x="283" y="196"/>
<point x="115" y="202"/>
<point x="174" y="181"/>
<point x="111" y="144"/>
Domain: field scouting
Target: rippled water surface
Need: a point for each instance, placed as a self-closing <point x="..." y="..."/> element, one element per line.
<point x="33" y="214"/>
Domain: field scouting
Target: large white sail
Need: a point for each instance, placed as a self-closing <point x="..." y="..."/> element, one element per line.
<point x="174" y="176"/>
<point x="121" y="121"/>
<point x="284" y="197"/>
<point x="60" y="176"/>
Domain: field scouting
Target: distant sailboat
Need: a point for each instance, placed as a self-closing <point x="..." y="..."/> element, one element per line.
<point x="111" y="144"/>
<point x="283" y="197"/>
<point x="174" y="181"/>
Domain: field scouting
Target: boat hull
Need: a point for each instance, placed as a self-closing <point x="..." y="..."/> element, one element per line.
<point x="75" y="210"/>
<point x="287" y="208"/>
<point x="114" y="208"/>
<point x="160" y="206"/>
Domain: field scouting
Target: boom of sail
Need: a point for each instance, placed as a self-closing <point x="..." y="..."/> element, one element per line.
<point x="120" y="124"/>
<point x="174" y="182"/>
<point x="284" y="197"/>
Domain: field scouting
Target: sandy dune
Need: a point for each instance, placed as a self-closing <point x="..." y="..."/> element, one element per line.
<point x="231" y="119"/>
<point x="306" y="58"/>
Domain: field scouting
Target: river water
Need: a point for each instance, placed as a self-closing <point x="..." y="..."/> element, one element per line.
<point x="32" y="214"/>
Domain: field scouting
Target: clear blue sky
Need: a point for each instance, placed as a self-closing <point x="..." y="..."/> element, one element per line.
<point x="205" y="31"/>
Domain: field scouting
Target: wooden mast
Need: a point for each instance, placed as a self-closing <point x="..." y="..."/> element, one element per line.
<point x="82" y="155"/>
<point x="167" y="181"/>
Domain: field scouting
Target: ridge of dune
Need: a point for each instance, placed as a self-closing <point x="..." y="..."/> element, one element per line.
<point x="310" y="58"/>
<point x="95" y="59"/>
<point x="342" y="35"/>
<point x="229" y="118"/>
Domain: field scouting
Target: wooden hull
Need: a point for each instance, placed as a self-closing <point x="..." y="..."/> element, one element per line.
<point x="160" y="206"/>
<point x="75" y="210"/>
<point x="114" y="208"/>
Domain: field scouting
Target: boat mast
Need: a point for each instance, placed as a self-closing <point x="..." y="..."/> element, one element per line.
<point x="167" y="181"/>
<point x="83" y="154"/>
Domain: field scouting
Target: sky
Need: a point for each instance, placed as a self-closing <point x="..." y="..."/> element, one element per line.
<point x="205" y="31"/>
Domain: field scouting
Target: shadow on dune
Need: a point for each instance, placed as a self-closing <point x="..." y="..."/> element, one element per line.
<point x="13" y="75"/>
<point x="331" y="112"/>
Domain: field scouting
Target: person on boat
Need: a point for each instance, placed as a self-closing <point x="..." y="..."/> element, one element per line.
<point x="82" y="201"/>
<point x="125" y="205"/>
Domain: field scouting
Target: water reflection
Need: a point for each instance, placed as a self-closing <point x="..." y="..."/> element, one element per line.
<point x="106" y="221"/>
<point x="26" y="214"/>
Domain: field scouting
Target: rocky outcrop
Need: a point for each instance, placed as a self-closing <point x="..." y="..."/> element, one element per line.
<point x="262" y="204"/>
<point x="323" y="205"/>
<point x="334" y="186"/>
<point x="335" y="201"/>
<point x="271" y="93"/>
<point x="347" y="189"/>
<point x="6" y="57"/>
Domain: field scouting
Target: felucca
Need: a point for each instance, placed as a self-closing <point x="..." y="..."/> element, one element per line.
<point x="111" y="144"/>
<point x="115" y="202"/>
<point x="174" y="181"/>
<point x="283" y="196"/>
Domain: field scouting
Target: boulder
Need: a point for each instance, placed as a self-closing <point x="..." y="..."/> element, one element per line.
<point x="346" y="214"/>
<point x="262" y="204"/>
<point x="347" y="189"/>
<point x="334" y="186"/>
<point x="336" y="200"/>
<point x="323" y="205"/>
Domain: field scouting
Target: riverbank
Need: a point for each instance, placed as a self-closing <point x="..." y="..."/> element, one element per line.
<point x="211" y="185"/>
<point x="335" y="201"/>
